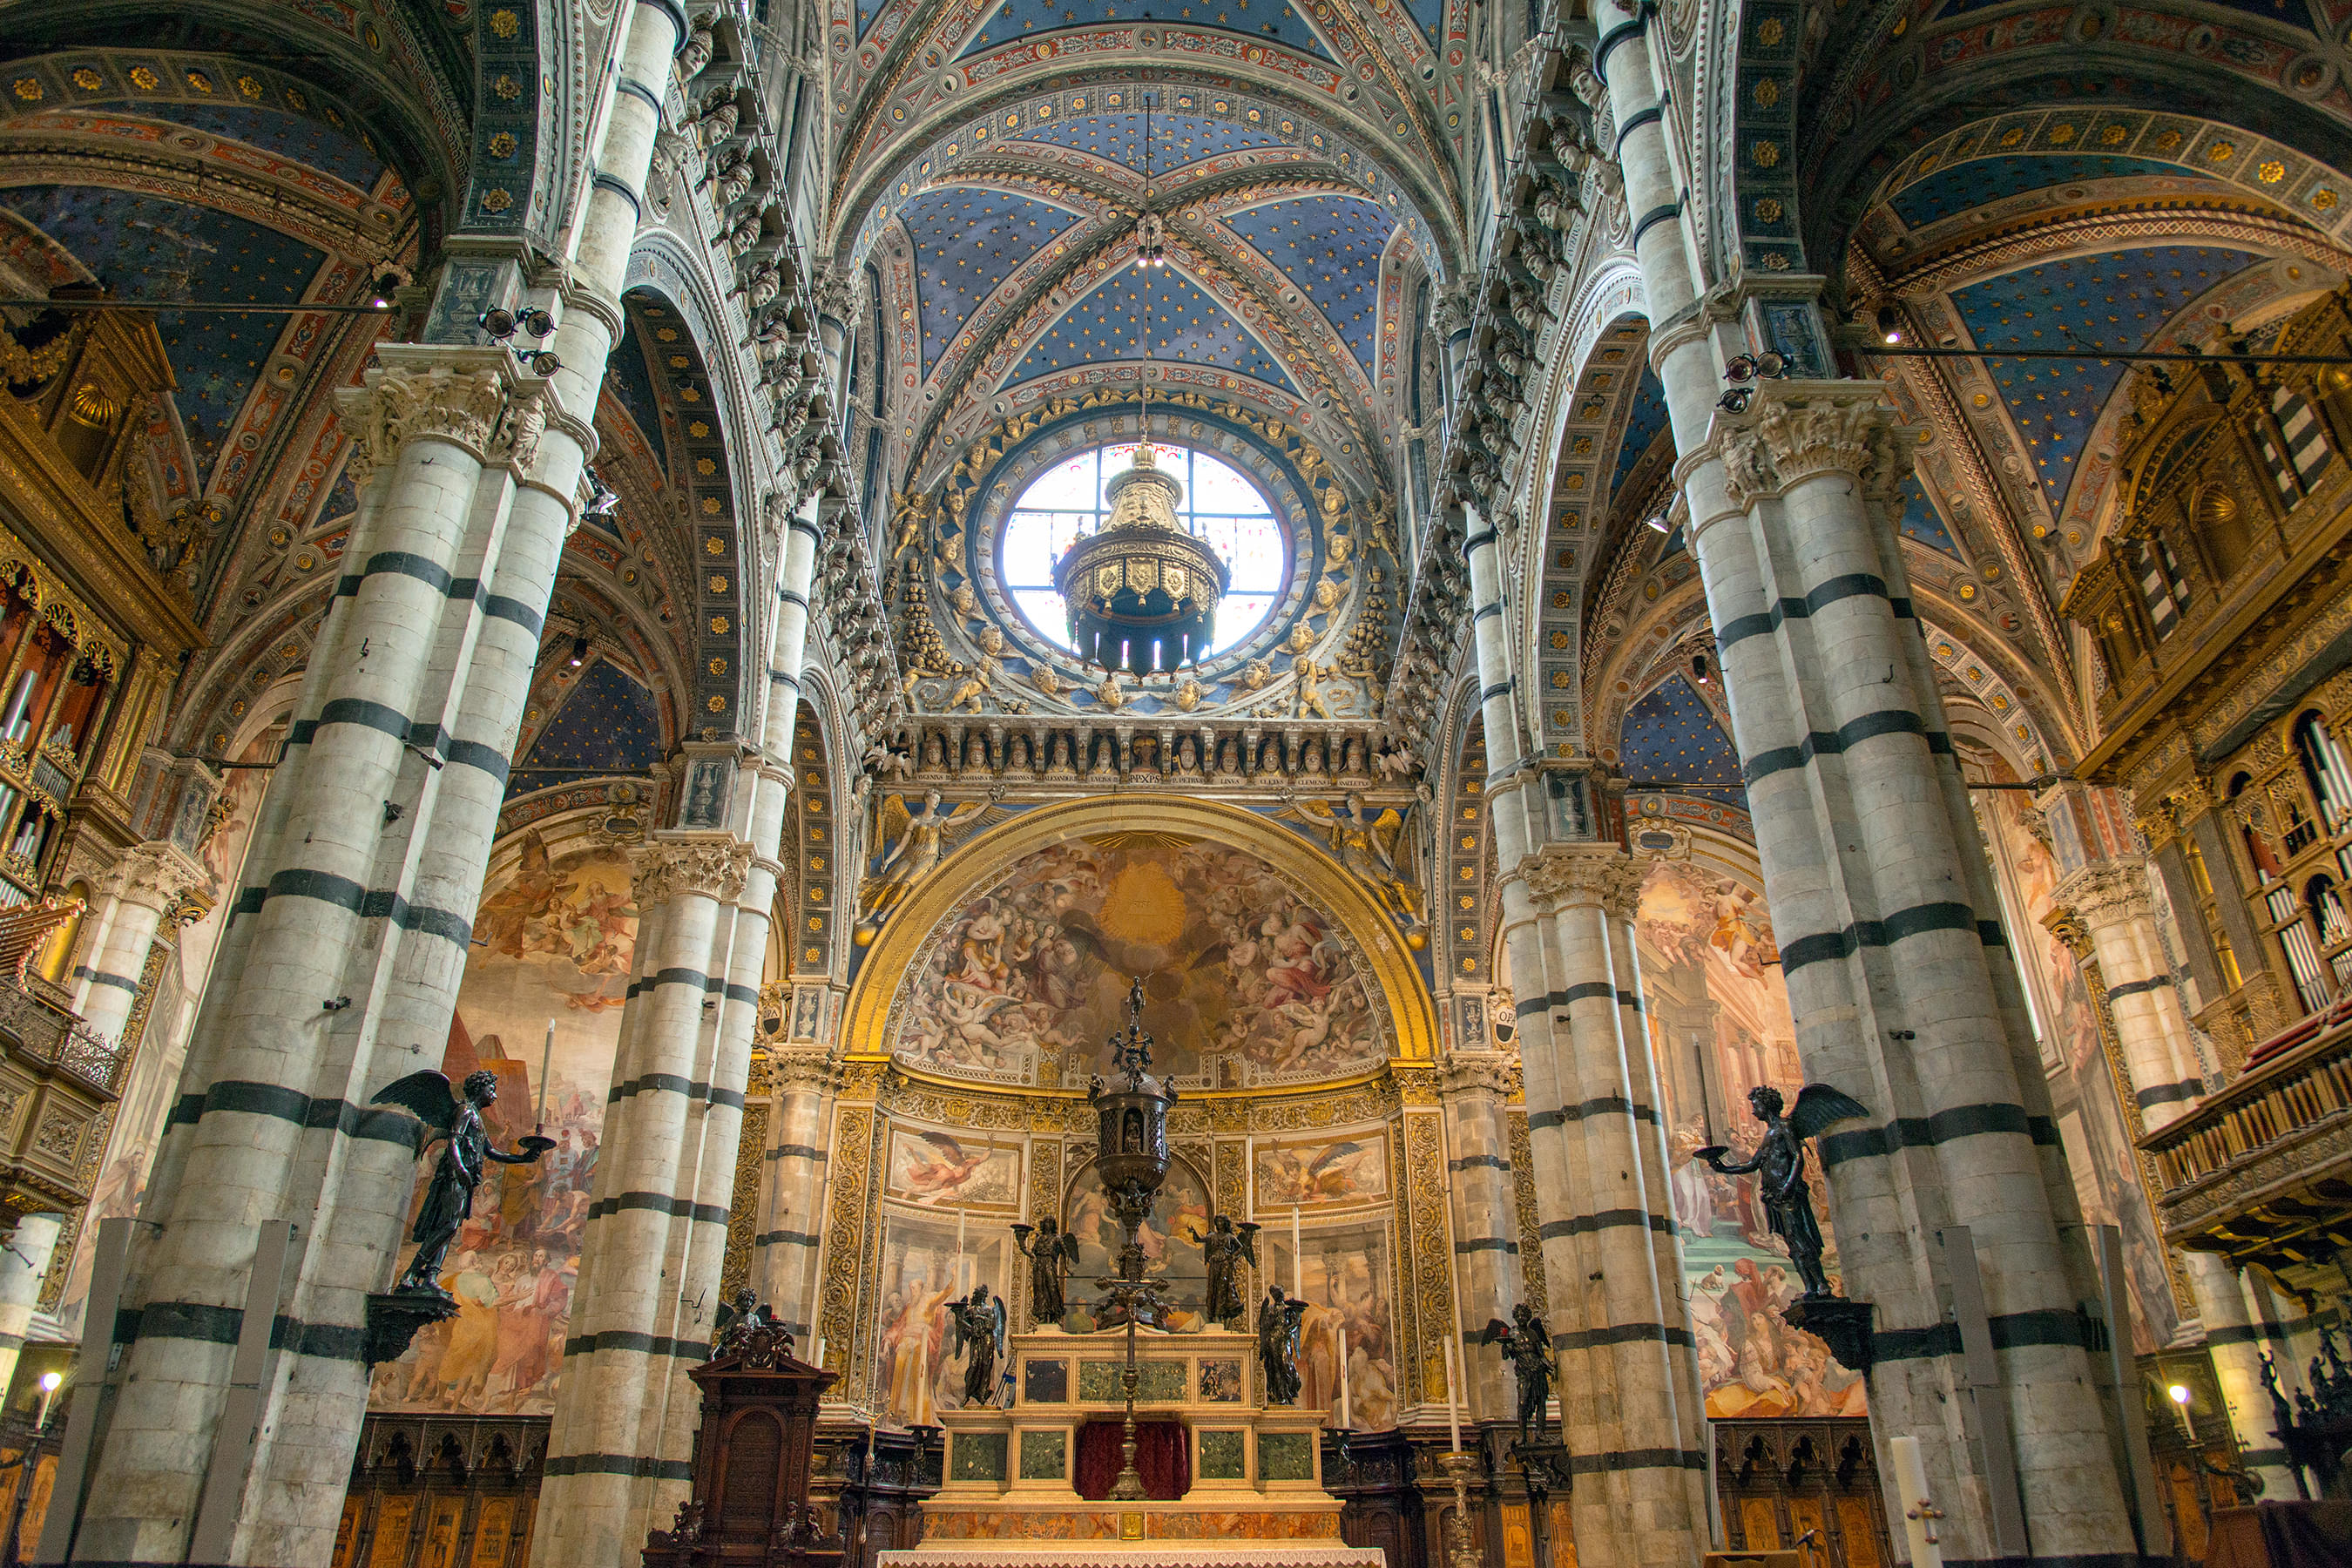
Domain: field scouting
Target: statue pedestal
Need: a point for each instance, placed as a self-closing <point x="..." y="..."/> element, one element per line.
<point x="1254" y="1496"/>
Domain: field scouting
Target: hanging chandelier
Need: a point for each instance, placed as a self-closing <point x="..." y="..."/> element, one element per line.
<point x="1143" y="592"/>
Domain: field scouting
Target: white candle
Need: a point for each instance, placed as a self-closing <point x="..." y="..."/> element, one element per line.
<point x="1908" y="1498"/>
<point x="959" y="1268"/>
<point x="1346" y="1400"/>
<point x="820" y="1350"/>
<point x="1452" y="1404"/>
<point x="546" y="1055"/>
<point x="1297" y="1258"/>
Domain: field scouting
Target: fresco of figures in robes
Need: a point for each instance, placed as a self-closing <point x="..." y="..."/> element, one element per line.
<point x="557" y="941"/>
<point x="929" y="1261"/>
<point x="1719" y="1025"/>
<point x="1170" y="1240"/>
<point x="2098" y="1142"/>
<point x="1248" y="982"/>
<point x="1345" y="1272"/>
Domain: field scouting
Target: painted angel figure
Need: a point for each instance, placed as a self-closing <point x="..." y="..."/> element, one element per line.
<point x="979" y="1337"/>
<point x="1050" y="1256"/>
<point x="1525" y="1341"/>
<point x="920" y="839"/>
<point x="1779" y="1164"/>
<point x="1368" y="842"/>
<point x="1226" y="1248"/>
<point x="449" y="1198"/>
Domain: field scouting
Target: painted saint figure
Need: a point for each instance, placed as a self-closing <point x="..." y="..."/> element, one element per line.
<point x="979" y="1336"/>
<point x="1277" y="1345"/>
<point x="449" y="1198"/>
<point x="1050" y="1257"/>
<point x="1225" y="1248"/>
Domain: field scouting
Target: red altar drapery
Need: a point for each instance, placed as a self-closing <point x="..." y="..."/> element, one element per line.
<point x="1162" y="1457"/>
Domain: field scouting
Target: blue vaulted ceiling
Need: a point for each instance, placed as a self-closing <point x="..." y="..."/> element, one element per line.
<point x="2291" y="12"/>
<point x="1965" y="186"/>
<point x="1329" y="247"/>
<point x="1920" y="519"/>
<point x="967" y="241"/>
<point x="2112" y="301"/>
<point x="608" y="721"/>
<point x="1176" y="138"/>
<point x="290" y="136"/>
<point x="1671" y="739"/>
<point x="1186" y="325"/>
<point x="1647" y="417"/>
<point x="1269" y="19"/>
<point x="149" y="247"/>
<point x="631" y="381"/>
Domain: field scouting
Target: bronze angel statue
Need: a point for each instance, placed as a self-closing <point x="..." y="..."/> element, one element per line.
<point x="1527" y="1345"/>
<point x="449" y="1198"/>
<point x="1779" y="1163"/>
<point x="979" y="1337"/>
<point x="1050" y="1254"/>
<point x="1278" y="1318"/>
<point x="1225" y="1248"/>
<point x="918" y="839"/>
<point x="1373" y="844"/>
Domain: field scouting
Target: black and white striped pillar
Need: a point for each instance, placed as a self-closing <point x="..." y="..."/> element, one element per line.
<point x="792" y="1188"/>
<point x="1473" y="1091"/>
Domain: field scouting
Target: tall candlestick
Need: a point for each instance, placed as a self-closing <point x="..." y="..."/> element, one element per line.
<point x="959" y="1268"/>
<point x="1297" y="1258"/>
<point x="1914" y="1512"/>
<point x="1347" y="1399"/>
<point x="1453" y="1402"/>
<point x="546" y="1055"/>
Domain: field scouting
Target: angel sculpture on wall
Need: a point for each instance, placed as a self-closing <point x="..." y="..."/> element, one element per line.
<point x="449" y="1198"/>
<point x="1050" y="1256"/>
<point x="1225" y="1248"/>
<point x="1779" y="1164"/>
<point x="1373" y="844"/>
<point x="919" y="838"/>
<point x="1525" y="1341"/>
<point x="979" y="1337"/>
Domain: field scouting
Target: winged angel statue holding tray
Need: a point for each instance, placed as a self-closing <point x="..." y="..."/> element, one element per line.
<point x="449" y="1198"/>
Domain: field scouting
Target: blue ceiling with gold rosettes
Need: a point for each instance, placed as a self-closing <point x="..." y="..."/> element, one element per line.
<point x="1269" y="19"/>
<point x="609" y="721"/>
<point x="631" y="381"/>
<point x="1670" y="740"/>
<point x="2291" y="12"/>
<point x="291" y="136"/>
<point x="967" y="241"/>
<point x="150" y="247"/>
<point x="1643" y="422"/>
<point x="1920" y="520"/>
<point x="1964" y="186"/>
<point x="2117" y="301"/>
<point x="1329" y="247"/>
<point x="1176" y="140"/>
<point x="1187" y="325"/>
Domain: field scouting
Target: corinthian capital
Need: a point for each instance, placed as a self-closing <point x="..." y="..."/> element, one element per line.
<point x="1478" y="1072"/>
<point x="2106" y="893"/>
<point x="1597" y="874"/>
<point x="1795" y="430"/>
<point x="466" y="396"/>
<point x="803" y="1067"/>
<point x="154" y="875"/>
<point x="713" y="866"/>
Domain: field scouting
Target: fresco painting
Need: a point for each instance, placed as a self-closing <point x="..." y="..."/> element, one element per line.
<point x="558" y="938"/>
<point x="1170" y="1240"/>
<point x="963" y="1170"/>
<point x="1719" y="1025"/>
<point x="1248" y="982"/>
<point x="1322" y="1173"/>
<point x="927" y="1261"/>
<point x="1346" y="1274"/>
<point x="2099" y="1145"/>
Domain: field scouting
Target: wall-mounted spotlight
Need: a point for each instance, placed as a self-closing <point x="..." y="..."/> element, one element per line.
<point x="1658" y="520"/>
<point x="538" y="323"/>
<point x="499" y="323"/>
<point x="387" y="277"/>
<point x="1771" y="364"/>
<point x="1736" y="400"/>
<point x="543" y="363"/>
<point x="1890" y="324"/>
<point x="579" y="651"/>
<point x="602" y="502"/>
<point x="1702" y="670"/>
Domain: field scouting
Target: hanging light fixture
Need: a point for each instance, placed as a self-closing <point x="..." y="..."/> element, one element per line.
<point x="1141" y="592"/>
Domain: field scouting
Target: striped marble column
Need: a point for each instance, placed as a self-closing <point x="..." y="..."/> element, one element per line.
<point x="147" y="880"/>
<point x="792" y="1191"/>
<point x="2110" y="897"/>
<point x="622" y="1439"/>
<point x="1473" y="1091"/>
<point x="1640" y="1498"/>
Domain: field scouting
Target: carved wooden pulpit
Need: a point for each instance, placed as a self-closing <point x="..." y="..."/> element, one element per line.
<point x="749" y="1507"/>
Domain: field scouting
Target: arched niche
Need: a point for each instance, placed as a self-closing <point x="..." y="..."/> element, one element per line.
<point x="1169" y="869"/>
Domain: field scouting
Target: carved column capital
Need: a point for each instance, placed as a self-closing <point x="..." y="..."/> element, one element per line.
<point x="154" y="876"/>
<point x="835" y="293"/>
<point x="1598" y="874"/>
<point x="803" y="1067"/>
<point x="2107" y="892"/>
<point x="1479" y="1072"/>
<point x="1797" y="430"/>
<point x="714" y="866"/>
<point x="471" y="398"/>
